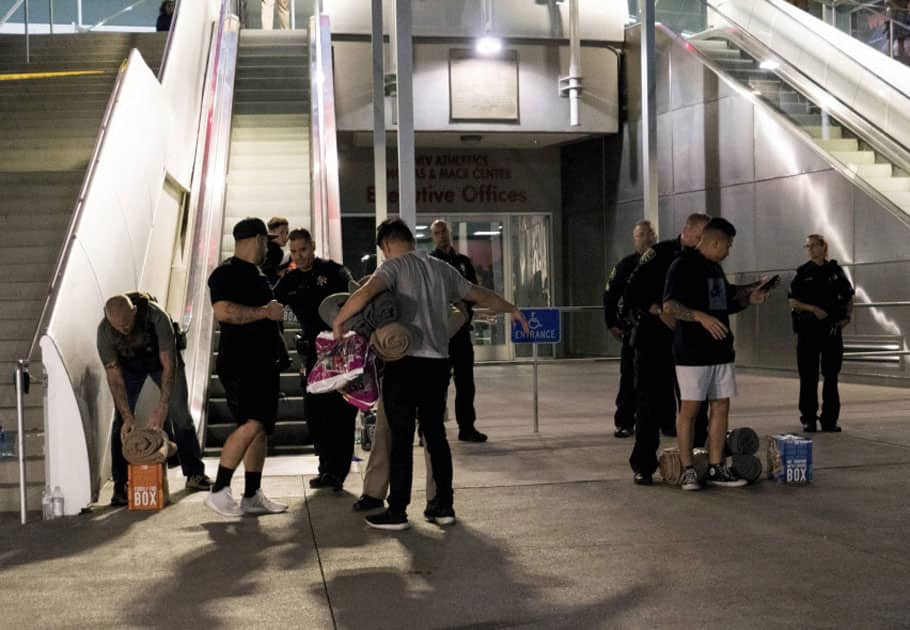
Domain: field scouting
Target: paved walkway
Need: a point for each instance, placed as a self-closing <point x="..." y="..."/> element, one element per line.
<point x="551" y="534"/>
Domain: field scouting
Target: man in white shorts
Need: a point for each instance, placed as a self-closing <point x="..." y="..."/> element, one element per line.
<point x="698" y="296"/>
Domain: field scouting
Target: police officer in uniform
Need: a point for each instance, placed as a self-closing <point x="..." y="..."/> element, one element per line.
<point x="643" y="238"/>
<point x="821" y="299"/>
<point x="330" y="419"/>
<point x="461" y="351"/>
<point x="652" y="338"/>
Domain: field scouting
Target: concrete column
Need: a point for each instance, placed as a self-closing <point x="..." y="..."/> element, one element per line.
<point x="649" y="115"/>
<point x="404" y="65"/>
<point x="379" y="146"/>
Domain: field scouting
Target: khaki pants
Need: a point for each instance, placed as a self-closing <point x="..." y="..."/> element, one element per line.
<point x="376" y="478"/>
<point x="268" y="14"/>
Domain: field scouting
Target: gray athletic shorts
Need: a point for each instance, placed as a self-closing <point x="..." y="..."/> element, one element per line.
<point x="706" y="382"/>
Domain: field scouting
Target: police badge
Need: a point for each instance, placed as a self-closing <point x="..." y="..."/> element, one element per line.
<point x="322" y="281"/>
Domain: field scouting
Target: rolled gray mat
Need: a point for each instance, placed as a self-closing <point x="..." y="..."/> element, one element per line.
<point x="742" y="441"/>
<point x="747" y="466"/>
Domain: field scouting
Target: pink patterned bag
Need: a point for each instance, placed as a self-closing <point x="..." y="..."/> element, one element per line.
<point x="363" y="391"/>
<point x="337" y="362"/>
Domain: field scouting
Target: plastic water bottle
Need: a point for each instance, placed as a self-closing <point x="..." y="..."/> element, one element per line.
<point x="3" y="449"/>
<point x="57" y="501"/>
<point x="47" y="505"/>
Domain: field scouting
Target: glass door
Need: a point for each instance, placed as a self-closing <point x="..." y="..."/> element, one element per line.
<point x="511" y="255"/>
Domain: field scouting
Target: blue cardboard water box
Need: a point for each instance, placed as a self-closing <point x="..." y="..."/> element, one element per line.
<point x="790" y="459"/>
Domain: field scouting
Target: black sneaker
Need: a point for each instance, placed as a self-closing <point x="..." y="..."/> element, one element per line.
<point x="119" y="499"/>
<point x="438" y="514"/>
<point x="809" y="425"/>
<point x="472" y="435"/>
<point x="830" y="427"/>
<point x="389" y="521"/>
<point x="367" y="503"/>
<point x="720" y="475"/>
<point x="320" y="481"/>
<point x="622" y="432"/>
<point x="641" y="479"/>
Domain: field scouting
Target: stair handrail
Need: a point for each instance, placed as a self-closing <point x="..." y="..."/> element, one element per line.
<point x="785" y="122"/>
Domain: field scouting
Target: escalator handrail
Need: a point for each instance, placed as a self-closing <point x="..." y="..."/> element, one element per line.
<point x="785" y="122"/>
<point x="823" y="31"/>
<point x="882" y="141"/>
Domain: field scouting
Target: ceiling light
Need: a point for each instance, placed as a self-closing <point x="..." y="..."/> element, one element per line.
<point x="486" y="234"/>
<point x="487" y="45"/>
<point x="769" y="64"/>
<point x="420" y="227"/>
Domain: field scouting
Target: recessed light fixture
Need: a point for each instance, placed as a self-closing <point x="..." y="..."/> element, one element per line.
<point x="487" y="45"/>
<point x="769" y="64"/>
<point x="420" y="227"/>
<point x="485" y="233"/>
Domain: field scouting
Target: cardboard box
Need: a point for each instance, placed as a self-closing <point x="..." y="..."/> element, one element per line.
<point x="790" y="459"/>
<point x="147" y="488"/>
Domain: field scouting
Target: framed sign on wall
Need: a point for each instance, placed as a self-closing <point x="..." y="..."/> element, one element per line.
<point x="483" y="88"/>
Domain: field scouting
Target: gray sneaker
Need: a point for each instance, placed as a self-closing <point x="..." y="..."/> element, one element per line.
<point x="223" y="503"/>
<point x="689" y="480"/>
<point x="261" y="504"/>
<point x="720" y="475"/>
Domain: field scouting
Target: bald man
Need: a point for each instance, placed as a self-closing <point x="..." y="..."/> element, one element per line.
<point x="136" y="340"/>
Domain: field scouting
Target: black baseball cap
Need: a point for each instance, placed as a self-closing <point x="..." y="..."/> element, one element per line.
<point x="249" y="227"/>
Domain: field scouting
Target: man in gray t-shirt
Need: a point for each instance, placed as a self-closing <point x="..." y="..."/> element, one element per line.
<point x="417" y="384"/>
<point x="136" y="341"/>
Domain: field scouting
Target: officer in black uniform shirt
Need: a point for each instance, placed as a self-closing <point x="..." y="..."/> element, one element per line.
<point x="330" y="419"/>
<point x="461" y="351"/>
<point x="652" y="338"/>
<point x="643" y="238"/>
<point x="821" y="299"/>
<point x="251" y="356"/>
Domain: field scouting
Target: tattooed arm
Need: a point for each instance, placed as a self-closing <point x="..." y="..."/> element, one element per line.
<point x="681" y="312"/>
<point x="740" y="296"/>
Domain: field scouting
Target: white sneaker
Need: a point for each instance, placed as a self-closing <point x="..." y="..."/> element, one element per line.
<point x="261" y="504"/>
<point x="224" y="503"/>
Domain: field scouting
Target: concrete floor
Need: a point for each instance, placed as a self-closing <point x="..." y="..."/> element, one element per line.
<point x="551" y="534"/>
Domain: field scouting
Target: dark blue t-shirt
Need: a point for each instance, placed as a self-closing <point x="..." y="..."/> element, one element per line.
<point x="700" y="284"/>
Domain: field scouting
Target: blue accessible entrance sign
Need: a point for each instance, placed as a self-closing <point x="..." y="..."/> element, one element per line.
<point x="544" y="324"/>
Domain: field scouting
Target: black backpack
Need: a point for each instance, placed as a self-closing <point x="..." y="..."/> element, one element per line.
<point x="141" y="299"/>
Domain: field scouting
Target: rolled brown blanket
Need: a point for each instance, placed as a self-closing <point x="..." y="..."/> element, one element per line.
<point x="147" y="446"/>
<point x="390" y="342"/>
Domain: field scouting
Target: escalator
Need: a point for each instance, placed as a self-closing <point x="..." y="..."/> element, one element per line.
<point x="843" y="98"/>
<point x="268" y="175"/>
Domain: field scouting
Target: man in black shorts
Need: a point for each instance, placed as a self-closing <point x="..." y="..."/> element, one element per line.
<point x="329" y="417"/>
<point x="250" y="358"/>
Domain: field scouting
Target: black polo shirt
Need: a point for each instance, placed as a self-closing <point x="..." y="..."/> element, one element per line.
<point x="304" y="291"/>
<point x="825" y="286"/>
<point x="254" y="345"/>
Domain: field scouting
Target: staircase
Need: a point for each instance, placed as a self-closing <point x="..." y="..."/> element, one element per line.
<point x="268" y="175"/>
<point x="48" y="127"/>
<point x="840" y="144"/>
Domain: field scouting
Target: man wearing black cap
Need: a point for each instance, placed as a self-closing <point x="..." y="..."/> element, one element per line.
<point x="250" y="358"/>
<point x="330" y="419"/>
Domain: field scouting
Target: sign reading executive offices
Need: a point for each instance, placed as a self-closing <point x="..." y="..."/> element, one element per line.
<point x="461" y="180"/>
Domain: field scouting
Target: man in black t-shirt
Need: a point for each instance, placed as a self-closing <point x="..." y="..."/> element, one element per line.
<point x="276" y="262"/>
<point x="251" y="355"/>
<point x="698" y="296"/>
<point x="330" y="419"/>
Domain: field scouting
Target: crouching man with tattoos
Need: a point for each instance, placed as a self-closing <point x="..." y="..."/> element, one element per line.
<point x="699" y="297"/>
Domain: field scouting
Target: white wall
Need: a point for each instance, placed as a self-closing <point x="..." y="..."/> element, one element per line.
<point x="541" y="109"/>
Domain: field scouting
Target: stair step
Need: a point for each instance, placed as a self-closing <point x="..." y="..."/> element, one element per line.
<point x="9" y="498"/>
<point x="890" y="184"/>
<point x="273" y="177"/>
<point x="841" y="145"/>
<point x="834" y="131"/>
<point x="27" y="255"/>
<point x="855" y="157"/>
<point x="11" y="350"/>
<point x="13" y="330"/>
<point x="33" y="418"/>
<point x="871" y="170"/>
<point x="271" y="147"/>
<point x="264" y="120"/>
<point x="21" y="309"/>
<point x="33" y="272"/>
<point x="287" y="433"/>
<point x="902" y="199"/>
<point x="31" y="236"/>
<point x="270" y="134"/>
